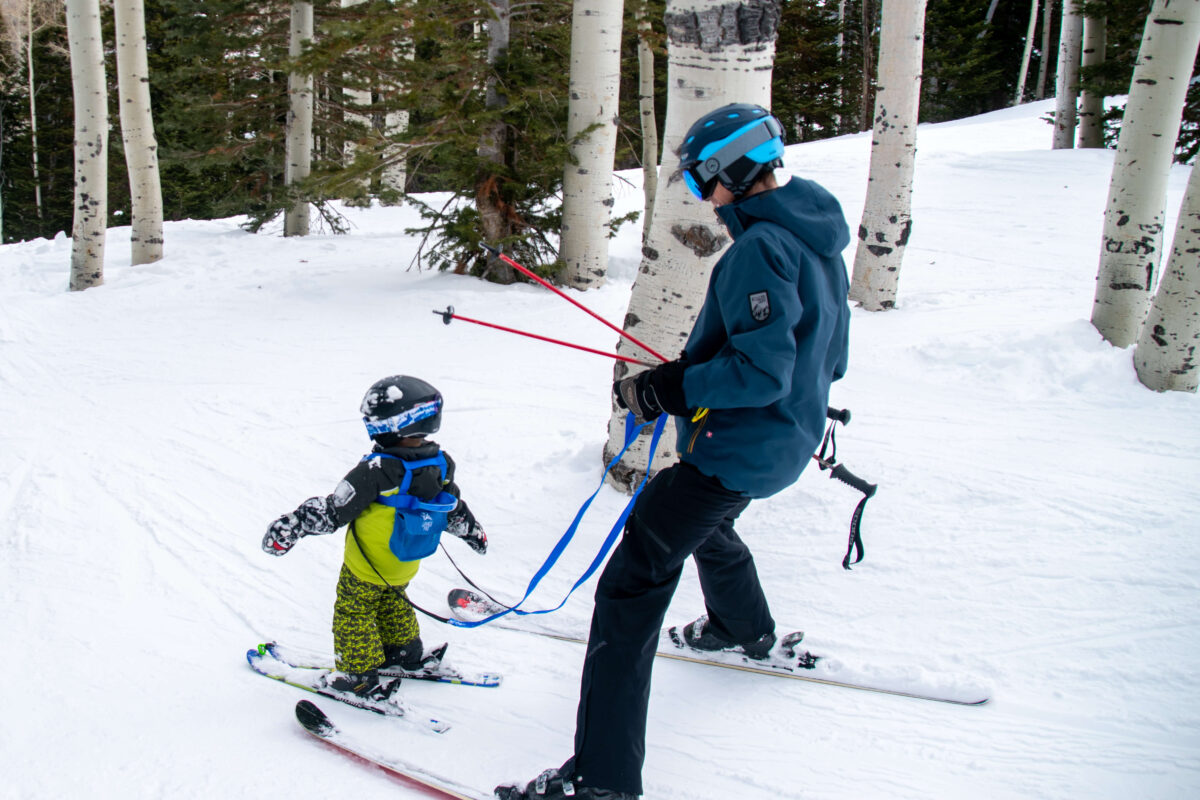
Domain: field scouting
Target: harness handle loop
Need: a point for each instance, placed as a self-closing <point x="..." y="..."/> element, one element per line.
<point x="839" y="471"/>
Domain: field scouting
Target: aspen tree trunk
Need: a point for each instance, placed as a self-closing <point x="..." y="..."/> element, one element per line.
<point x="868" y="56"/>
<point x="37" y="180"/>
<point x="1091" y="105"/>
<point x="1067" y="85"/>
<point x="717" y="53"/>
<point x="395" y="174"/>
<point x="91" y="143"/>
<point x="887" y="215"/>
<point x="1167" y="356"/>
<point x="493" y="142"/>
<point x="592" y="135"/>
<point x="137" y="132"/>
<point x="648" y="118"/>
<point x="1135" y="214"/>
<point x="1033" y="15"/>
<point x="300" y="119"/>
<point x="1044" y="61"/>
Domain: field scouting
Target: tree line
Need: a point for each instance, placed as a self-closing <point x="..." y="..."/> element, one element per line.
<point x="218" y="78"/>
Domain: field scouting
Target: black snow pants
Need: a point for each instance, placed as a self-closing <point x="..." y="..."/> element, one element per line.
<point x="680" y="513"/>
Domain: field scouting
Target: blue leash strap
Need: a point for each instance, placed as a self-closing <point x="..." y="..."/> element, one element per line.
<point x="632" y="428"/>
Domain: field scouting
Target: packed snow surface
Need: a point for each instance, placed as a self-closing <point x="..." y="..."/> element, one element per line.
<point x="1035" y="530"/>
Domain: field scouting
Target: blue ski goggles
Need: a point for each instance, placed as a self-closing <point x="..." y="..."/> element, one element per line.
<point x="702" y="191"/>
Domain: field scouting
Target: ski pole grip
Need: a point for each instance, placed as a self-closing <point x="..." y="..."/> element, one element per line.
<point x="841" y="415"/>
<point x="850" y="479"/>
<point x="446" y="315"/>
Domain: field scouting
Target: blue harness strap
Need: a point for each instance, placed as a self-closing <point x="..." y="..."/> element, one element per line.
<point x="632" y="428"/>
<point x="419" y="523"/>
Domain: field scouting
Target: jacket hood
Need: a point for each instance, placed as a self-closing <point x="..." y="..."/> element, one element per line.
<point x="804" y="207"/>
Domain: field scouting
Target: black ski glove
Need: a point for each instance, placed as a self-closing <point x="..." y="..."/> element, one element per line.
<point x="311" y="518"/>
<point x="462" y="523"/>
<point x="648" y="394"/>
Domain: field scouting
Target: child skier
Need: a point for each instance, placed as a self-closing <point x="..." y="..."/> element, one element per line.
<point x="397" y="501"/>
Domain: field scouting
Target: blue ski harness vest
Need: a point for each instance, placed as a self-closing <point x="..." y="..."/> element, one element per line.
<point x="419" y="523"/>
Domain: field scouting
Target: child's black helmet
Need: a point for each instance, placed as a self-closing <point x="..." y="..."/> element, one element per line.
<point x="733" y="145"/>
<point x="402" y="406"/>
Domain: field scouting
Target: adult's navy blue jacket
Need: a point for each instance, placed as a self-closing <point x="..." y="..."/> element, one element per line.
<point x="769" y="340"/>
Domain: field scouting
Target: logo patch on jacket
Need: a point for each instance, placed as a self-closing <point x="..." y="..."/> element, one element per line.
<point x="760" y="306"/>
<point x="343" y="493"/>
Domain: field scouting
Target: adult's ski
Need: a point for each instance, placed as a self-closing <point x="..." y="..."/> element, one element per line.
<point x="313" y="680"/>
<point x="785" y="662"/>
<point x="433" y="666"/>
<point x="314" y="720"/>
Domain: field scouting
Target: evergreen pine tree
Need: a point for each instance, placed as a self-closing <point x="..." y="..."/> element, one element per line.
<point x="970" y="65"/>
<point x="219" y="93"/>
<point x="813" y="94"/>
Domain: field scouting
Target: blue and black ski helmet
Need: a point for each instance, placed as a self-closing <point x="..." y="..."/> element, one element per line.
<point x="401" y="405"/>
<point x="733" y="145"/>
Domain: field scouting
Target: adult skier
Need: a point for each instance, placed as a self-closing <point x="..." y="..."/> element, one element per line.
<point x="749" y="396"/>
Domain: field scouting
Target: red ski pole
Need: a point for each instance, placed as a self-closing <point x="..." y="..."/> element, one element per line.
<point x="527" y="273"/>
<point x="449" y="314"/>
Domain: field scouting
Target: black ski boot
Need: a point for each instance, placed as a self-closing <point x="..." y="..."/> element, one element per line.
<point x="409" y="657"/>
<point x="698" y="636"/>
<point x="557" y="784"/>
<point x="366" y="685"/>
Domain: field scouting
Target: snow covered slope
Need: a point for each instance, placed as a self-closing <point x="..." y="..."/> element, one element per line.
<point x="1035" y="529"/>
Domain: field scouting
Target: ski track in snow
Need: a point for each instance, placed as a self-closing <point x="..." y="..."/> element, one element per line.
<point x="1033" y="532"/>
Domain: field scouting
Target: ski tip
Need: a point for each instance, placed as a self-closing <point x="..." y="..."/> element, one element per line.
<point x="313" y="718"/>
<point x="461" y="598"/>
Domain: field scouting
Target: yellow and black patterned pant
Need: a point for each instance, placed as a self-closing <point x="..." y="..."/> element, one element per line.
<point x="366" y="618"/>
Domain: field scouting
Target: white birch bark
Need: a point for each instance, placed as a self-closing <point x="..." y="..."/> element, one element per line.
<point x="137" y="132"/>
<point x="300" y="119"/>
<point x="1033" y="15"/>
<point x="91" y="143"/>
<point x="649" y="120"/>
<point x="1135" y="213"/>
<point x="1066" y="90"/>
<point x="717" y="53"/>
<point x="1167" y="356"/>
<point x="887" y="215"/>
<point x="1091" y="105"/>
<point x="592" y="132"/>
<point x="395" y="172"/>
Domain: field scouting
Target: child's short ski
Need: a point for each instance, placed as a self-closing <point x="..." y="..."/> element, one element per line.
<point x="316" y="723"/>
<point x="313" y="680"/>
<point x="471" y="607"/>
<point x="433" y="667"/>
